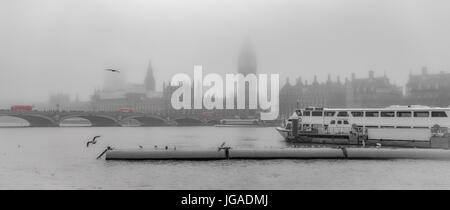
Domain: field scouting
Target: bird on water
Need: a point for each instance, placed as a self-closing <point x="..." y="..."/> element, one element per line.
<point x="93" y="141"/>
<point x="378" y="145"/>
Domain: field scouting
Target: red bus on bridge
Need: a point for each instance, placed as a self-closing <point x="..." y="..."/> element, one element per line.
<point x="208" y="114"/>
<point x="21" y="107"/>
<point x="126" y="110"/>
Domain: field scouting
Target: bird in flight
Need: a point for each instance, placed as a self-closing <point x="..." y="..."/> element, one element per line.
<point x="113" y="70"/>
<point x="93" y="141"/>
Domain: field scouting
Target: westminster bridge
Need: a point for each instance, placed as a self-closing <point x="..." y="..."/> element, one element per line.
<point x="100" y="118"/>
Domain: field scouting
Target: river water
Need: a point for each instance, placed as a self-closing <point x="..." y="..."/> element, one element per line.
<point x="57" y="158"/>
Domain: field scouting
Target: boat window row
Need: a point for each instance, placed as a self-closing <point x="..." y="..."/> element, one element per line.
<point x="375" y="113"/>
<point x="339" y="122"/>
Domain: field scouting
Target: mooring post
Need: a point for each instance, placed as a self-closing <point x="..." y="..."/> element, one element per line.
<point x="227" y="152"/>
<point x="344" y="151"/>
<point x="101" y="154"/>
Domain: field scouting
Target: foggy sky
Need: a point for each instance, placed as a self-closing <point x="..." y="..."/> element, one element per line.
<point x="62" y="46"/>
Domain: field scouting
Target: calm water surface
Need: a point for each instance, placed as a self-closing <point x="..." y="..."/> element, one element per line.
<point x="57" y="158"/>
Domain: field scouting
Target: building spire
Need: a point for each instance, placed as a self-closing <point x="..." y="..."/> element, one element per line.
<point x="315" y="82"/>
<point x="149" y="82"/>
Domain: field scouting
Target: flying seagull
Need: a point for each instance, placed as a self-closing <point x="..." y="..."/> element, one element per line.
<point x="93" y="141"/>
<point x="113" y="70"/>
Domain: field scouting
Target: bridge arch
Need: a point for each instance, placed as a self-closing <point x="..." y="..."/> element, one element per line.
<point x="95" y="120"/>
<point x="34" y="120"/>
<point x="213" y="122"/>
<point x="188" y="122"/>
<point x="148" y="120"/>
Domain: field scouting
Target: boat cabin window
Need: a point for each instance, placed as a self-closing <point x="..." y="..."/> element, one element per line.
<point x="339" y="122"/>
<point x="333" y="122"/>
<point x="357" y="114"/>
<point x="404" y="114"/>
<point x="342" y="114"/>
<point x="371" y="126"/>
<point x="421" y="114"/>
<point x="387" y="114"/>
<point x="438" y="114"/>
<point x="372" y="114"/>
<point x="306" y="113"/>
<point x="329" y="114"/>
<point x="317" y="114"/>
<point x="298" y="112"/>
<point x="345" y="122"/>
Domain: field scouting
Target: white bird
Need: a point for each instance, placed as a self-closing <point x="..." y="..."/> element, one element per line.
<point x="378" y="145"/>
<point x="93" y="141"/>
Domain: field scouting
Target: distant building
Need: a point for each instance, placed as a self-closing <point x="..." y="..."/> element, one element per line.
<point x="167" y="95"/>
<point x="134" y="100"/>
<point x="117" y="94"/>
<point x="247" y="63"/>
<point x="301" y="95"/>
<point x="365" y="92"/>
<point x="58" y="101"/>
<point x="62" y="102"/>
<point x="372" y="92"/>
<point x="149" y="82"/>
<point x="428" y="89"/>
<point x="199" y="113"/>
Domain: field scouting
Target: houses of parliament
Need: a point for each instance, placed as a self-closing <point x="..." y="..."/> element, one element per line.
<point x="370" y="92"/>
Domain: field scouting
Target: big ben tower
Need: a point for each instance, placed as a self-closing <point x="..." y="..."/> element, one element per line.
<point x="247" y="65"/>
<point x="247" y="59"/>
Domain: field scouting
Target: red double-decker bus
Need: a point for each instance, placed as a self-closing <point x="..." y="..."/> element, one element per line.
<point x="208" y="114"/>
<point x="21" y="107"/>
<point x="126" y="110"/>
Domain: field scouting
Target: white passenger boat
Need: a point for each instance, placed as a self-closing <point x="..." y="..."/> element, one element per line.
<point x="400" y="123"/>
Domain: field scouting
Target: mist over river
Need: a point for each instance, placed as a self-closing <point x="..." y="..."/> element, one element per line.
<point x="57" y="158"/>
